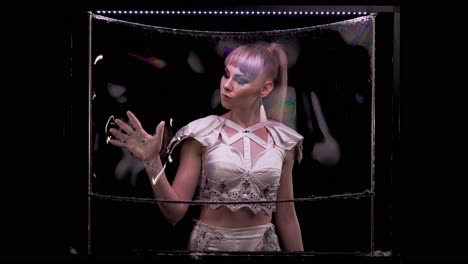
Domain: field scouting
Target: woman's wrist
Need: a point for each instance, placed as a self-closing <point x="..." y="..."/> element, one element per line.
<point x="152" y="160"/>
<point x="154" y="168"/>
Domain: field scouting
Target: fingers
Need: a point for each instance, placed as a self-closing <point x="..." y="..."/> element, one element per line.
<point x="125" y="127"/>
<point x="119" y="135"/>
<point x="117" y="143"/>
<point x="160" y="131"/>
<point x="133" y="120"/>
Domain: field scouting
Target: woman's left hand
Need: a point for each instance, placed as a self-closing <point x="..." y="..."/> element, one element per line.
<point x="135" y="139"/>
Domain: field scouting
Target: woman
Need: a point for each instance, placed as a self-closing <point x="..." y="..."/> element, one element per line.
<point x="235" y="159"/>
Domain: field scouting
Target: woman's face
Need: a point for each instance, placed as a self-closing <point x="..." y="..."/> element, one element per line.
<point x="238" y="90"/>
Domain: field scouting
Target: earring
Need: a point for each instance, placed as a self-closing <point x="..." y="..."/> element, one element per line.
<point x="263" y="116"/>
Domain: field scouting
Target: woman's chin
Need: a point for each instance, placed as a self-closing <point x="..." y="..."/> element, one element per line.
<point x="225" y="105"/>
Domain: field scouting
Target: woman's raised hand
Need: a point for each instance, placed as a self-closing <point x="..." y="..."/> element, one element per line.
<point x="135" y="139"/>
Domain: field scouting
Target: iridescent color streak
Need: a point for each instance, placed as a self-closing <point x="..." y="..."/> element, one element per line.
<point x="364" y="36"/>
<point x="361" y="34"/>
<point x="275" y="107"/>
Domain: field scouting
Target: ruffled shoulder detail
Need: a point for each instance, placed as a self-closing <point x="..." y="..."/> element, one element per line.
<point x="286" y="137"/>
<point x="199" y="129"/>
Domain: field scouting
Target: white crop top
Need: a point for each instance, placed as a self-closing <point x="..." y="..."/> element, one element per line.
<point x="231" y="176"/>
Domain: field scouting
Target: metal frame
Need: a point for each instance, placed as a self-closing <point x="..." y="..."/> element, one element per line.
<point x="395" y="100"/>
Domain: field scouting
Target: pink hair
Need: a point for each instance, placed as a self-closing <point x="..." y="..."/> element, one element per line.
<point x="262" y="58"/>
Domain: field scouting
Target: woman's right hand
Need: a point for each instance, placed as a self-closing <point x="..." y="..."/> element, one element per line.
<point x="135" y="139"/>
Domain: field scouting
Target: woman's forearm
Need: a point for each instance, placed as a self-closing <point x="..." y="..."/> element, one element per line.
<point x="162" y="189"/>
<point x="290" y="233"/>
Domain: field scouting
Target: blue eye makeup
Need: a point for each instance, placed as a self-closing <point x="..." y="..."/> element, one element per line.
<point x="241" y="80"/>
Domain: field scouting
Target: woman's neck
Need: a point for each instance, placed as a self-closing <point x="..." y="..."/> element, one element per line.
<point x="245" y="117"/>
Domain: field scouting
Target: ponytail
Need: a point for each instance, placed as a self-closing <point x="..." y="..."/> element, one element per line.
<point x="277" y="99"/>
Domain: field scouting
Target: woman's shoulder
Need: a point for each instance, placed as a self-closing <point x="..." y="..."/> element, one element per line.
<point x="200" y="127"/>
<point x="282" y="128"/>
<point x="286" y="137"/>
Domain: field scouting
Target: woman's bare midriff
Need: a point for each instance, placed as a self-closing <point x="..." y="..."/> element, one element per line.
<point x="223" y="217"/>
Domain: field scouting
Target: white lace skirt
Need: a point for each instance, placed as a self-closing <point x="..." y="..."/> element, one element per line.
<point x="256" y="238"/>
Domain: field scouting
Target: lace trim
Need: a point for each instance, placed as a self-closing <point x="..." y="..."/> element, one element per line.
<point x="205" y="238"/>
<point x="244" y="194"/>
<point x="269" y="241"/>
